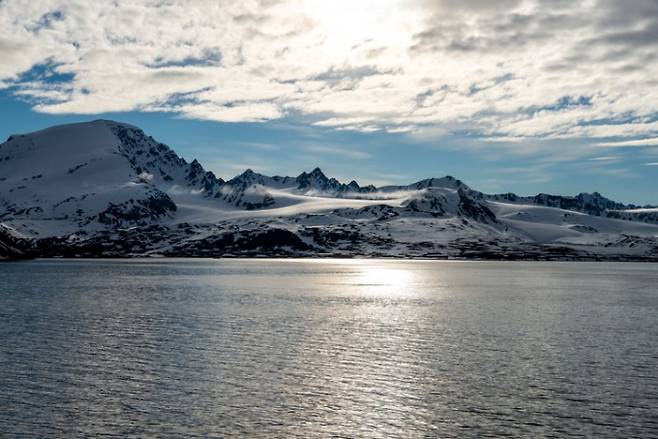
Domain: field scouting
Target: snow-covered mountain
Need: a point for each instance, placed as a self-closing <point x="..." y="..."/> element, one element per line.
<point x="105" y="188"/>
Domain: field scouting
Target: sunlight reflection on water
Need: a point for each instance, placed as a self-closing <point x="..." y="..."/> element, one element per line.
<point x="351" y="348"/>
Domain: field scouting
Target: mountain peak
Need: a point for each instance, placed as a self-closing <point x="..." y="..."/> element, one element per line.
<point x="113" y="123"/>
<point x="249" y="177"/>
<point x="317" y="173"/>
<point x="317" y="180"/>
<point x="73" y="187"/>
<point x="444" y="182"/>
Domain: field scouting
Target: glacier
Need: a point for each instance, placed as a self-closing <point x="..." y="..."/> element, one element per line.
<point x="107" y="189"/>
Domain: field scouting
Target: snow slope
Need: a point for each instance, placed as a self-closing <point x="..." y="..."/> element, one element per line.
<point x="106" y="188"/>
<point x="91" y="176"/>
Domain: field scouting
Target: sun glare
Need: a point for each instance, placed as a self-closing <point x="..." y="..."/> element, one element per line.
<point x="351" y="22"/>
<point x="378" y="277"/>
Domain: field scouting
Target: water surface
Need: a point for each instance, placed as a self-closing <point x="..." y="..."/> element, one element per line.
<point x="290" y="348"/>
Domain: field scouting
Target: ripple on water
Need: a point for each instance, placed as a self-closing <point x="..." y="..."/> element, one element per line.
<point x="328" y="348"/>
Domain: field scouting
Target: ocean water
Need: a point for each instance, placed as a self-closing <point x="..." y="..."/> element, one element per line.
<point x="319" y="348"/>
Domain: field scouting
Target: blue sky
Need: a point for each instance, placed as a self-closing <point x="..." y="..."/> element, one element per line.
<point x="530" y="96"/>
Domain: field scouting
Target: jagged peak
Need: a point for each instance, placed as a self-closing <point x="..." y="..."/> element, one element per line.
<point x="248" y="176"/>
<point x="211" y="175"/>
<point x="317" y="172"/>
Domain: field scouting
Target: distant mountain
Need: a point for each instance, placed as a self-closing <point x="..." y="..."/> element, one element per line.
<point x="105" y="188"/>
<point x="10" y="248"/>
<point x="591" y="204"/>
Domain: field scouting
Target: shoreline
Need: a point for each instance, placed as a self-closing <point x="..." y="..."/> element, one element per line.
<point x="330" y="258"/>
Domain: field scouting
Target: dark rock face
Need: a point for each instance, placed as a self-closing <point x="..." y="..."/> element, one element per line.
<point x="12" y="249"/>
<point x="474" y="209"/>
<point x="141" y="240"/>
<point x="316" y="180"/>
<point x="117" y="243"/>
<point x="428" y="204"/>
<point x="136" y="146"/>
<point x="138" y="212"/>
<point x="266" y="202"/>
<point x="650" y="217"/>
<point x="272" y="242"/>
<point x="266" y="240"/>
<point x="591" y="204"/>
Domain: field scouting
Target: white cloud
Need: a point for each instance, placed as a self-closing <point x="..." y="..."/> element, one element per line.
<point x="240" y="112"/>
<point x="504" y="70"/>
<point x="630" y="143"/>
<point x="336" y="150"/>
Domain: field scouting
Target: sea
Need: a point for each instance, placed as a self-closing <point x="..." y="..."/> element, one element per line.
<point x="353" y="348"/>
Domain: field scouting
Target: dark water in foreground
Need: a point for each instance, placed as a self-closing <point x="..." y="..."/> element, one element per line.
<point x="328" y="348"/>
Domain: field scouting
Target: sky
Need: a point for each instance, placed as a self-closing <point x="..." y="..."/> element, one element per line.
<point x="524" y="96"/>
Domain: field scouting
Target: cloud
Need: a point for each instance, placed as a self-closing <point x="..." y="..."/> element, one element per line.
<point x="235" y="112"/>
<point x="630" y="143"/>
<point x="335" y="150"/>
<point x="512" y="69"/>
